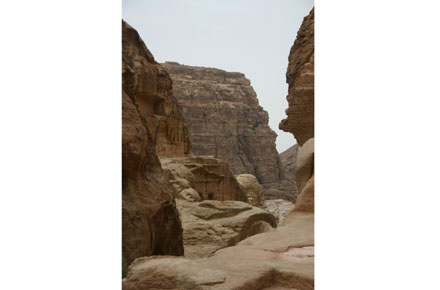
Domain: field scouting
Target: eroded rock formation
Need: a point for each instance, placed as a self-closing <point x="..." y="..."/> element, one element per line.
<point x="300" y="77"/>
<point x="278" y="259"/>
<point x="211" y="225"/>
<point x="148" y="83"/>
<point x="225" y="121"/>
<point x="150" y="220"/>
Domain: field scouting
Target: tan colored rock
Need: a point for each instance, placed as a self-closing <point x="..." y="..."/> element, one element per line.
<point x="150" y="220"/>
<point x="300" y="77"/>
<point x="254" y="191"/>
<point x="288" y="163"/>
<point x="211" y="225"/>
<point x="280" y="208"/>
<point x="210" y="177"/>
<point x="225" y="120"/>
<point x="279" y="259"/>
<point x="148" y="84"/>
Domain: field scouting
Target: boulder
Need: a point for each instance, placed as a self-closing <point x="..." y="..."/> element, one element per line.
<point x="254" y="191"/>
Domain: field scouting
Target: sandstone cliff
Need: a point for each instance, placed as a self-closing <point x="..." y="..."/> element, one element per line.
<point x="148" y="83"/>
<point x="300" y="114"/>
<point x="224" y="119"/>
<point x="300" y="77"/>
<point x="150" y="220"/>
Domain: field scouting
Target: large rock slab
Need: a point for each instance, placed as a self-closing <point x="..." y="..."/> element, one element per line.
<point x="150" y="221"/>
<point x="300" y="77"/>
<point x="225" y="120"/>
<point x="211" y="225"/>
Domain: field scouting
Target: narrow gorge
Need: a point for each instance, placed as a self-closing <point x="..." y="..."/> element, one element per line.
<point x="206" y="198"/>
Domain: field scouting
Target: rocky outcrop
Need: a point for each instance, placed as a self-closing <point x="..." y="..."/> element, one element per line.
<point x="224" y="119"/>
<point x="300" y="77"/>
<point x="209" y="177"/>
<point x="211" y="225"/>
<point x="279" y="259"/>
<point x="150" y="220"/>
<point x="254" y="191"/>
<point x="148" y="84"/>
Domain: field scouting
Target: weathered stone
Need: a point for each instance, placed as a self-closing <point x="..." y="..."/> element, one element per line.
<point x="211" y="225"/>
<point x="253" y="189"/>
<point x="225" y="121"/>
<point x="210" y="177"/>
<point x="280" y="208"/>
<point x="288" y="161"/>
<point x="150" y="220"/>
<point x="305" y="177"/>
<point x="300" y="77"/>
<point x="280" y="259"/>
<point x="148" y="84"/>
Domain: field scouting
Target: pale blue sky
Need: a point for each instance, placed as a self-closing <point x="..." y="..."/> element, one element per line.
<point x="249" y="36"/>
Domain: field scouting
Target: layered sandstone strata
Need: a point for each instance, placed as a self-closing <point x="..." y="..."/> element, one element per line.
<point x="149" y="85"/>
<point x="225" y="120"/>
<point x="300" y="77"/>
<point x="150" y="220"/>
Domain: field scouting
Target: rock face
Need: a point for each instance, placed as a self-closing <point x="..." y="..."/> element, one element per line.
<point x="150" y="220"/>
<point x="288" y="161"/>
<point x="211" y="225"/>
<point x="305" y="177"/>
<point x="300" y="77"/>
<point x="209" y="177"/>
<point x="224" y="119"/>
<point x="148" y="83"/>
<point x="253" y="189"/>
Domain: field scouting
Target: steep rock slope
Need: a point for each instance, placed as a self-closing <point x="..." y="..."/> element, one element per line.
<point x="225" y="120"/>
<point x="150" y="220"/>
<point x="300" y="77"/>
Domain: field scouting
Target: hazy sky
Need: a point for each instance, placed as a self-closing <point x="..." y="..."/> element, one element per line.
<point x="249" y="36"/>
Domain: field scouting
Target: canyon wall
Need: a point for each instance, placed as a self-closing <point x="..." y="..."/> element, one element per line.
<point x="300" y="77"/>
<point x="225" y="120"/>
<point x="148" y="83"/>
<point x="150" y="221"/>
<point x="300" y="114"/>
